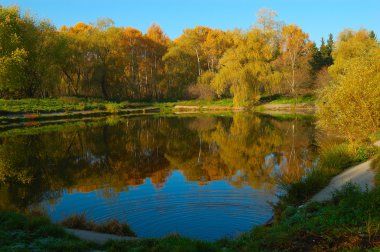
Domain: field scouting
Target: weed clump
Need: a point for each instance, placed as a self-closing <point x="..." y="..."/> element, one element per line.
<point x="111" y="227"/>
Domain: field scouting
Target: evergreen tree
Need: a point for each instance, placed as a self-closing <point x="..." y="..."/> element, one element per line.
<point x="316" y="61"/>
<point x="372" y="35"/>
<point x="328" y="60"/>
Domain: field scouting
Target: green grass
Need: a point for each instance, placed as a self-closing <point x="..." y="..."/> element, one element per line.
<point x="172" y="243"/>
<point x="350" y="221"/>
<point x="221" y="103"/>
<point x="376" y="167"/>
<point x="19" y="232"/>
<point x="62" y="104"/>
<point x="292" y="100"/>
<point x="333" y="160"/>
<point x="69" y="104"/>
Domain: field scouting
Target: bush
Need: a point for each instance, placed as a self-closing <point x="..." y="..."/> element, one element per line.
<point x="112" y="107"/>
<point x="350" y="104"/>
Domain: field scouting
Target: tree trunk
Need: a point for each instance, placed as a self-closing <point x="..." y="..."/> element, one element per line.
<point x="199" y="63"/>
<point x="103" y="84"/>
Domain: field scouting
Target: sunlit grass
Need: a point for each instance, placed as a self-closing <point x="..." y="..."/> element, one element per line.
<point x="296" y="100"/>
<point x="67" y="104"/>
<point x="221" y="102"/>
<point x="50" y="105"/>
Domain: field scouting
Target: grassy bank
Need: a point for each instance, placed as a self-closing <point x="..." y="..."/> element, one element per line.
<point x="67" y="104"/>
<point x="281" y="99"/>
<point x="20" y="232"/>
<point x="109" y="227"/>
<point x="64" y="104"/>
<point x="334" y="159"/>
<point x="348" y="222"/>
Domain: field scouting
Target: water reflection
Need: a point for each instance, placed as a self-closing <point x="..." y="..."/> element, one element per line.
<point x="205" y="177"/>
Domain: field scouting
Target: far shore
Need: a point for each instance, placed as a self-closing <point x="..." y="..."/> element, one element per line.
<point x="29" y="110"/>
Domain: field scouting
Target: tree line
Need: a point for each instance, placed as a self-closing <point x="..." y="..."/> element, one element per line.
<point x="102" y="60"/>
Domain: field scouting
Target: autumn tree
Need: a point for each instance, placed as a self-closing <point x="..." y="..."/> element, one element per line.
<point x="186" y="59"/>
<point x="350" y="104"/>
<point x="245" y="70"/>
<point x="295" y="50"/>
<point x="28" y="54"/>
<point x="157" y="47"/>
<point x="76" y="64"/>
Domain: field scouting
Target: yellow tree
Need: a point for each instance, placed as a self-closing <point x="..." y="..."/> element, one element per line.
<point x="75" y="66"/>
<point x="295" y="45"/>
<point x="350" y="103"/>
<point x="245" y="69"/>
<point x="157" y="42"/>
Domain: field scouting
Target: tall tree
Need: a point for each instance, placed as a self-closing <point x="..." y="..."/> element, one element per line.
<point x="295" y="46"/>
<point x="245" y="69"/>
<point x="28" y="54"/>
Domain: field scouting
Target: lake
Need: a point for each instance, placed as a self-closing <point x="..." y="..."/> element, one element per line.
<point x="201" y="176"/>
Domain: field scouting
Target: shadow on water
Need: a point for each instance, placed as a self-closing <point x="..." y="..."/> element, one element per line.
<point x="204" y="177"/>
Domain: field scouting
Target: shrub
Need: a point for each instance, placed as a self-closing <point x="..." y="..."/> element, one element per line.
<point x="350" y="104"/>
<point x="112" y="108"/>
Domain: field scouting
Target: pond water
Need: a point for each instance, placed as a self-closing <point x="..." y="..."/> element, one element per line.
<point x="205" y="177"/>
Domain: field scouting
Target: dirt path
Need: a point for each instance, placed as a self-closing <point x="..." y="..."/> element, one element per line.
<point x="362" y="175"/>
<point x="99" y="238"/>
<point x="290" y="107"/>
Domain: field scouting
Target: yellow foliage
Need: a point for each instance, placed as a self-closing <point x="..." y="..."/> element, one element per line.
<point x="350" y="105"/>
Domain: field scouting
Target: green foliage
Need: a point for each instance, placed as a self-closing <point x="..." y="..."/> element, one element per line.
<point x="322" y="56"/>
<point x="29" y="50"/>
<point x="112" y="107"/>
<point x="337" y="156"/>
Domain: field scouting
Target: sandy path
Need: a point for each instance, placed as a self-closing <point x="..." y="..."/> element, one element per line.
<point x="99" y="238"/>
<point x="362" y="175"/>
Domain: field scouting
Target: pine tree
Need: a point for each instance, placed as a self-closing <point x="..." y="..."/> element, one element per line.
<point x="328" y="60"/>
<point x="372" y="35"/>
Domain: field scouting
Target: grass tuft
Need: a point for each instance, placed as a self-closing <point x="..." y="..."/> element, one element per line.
<point x="80" y="221"/>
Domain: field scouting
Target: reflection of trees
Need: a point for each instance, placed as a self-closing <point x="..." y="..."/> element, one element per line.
<point x="82" y="160"/>
<point x="244" y="149"/>
<point x="297" y="151"/>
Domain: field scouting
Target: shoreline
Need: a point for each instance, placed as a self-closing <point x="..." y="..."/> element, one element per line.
<point x="8" y="118"/>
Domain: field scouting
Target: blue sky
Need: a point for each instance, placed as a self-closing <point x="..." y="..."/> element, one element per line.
<point x="318" y="18"/>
